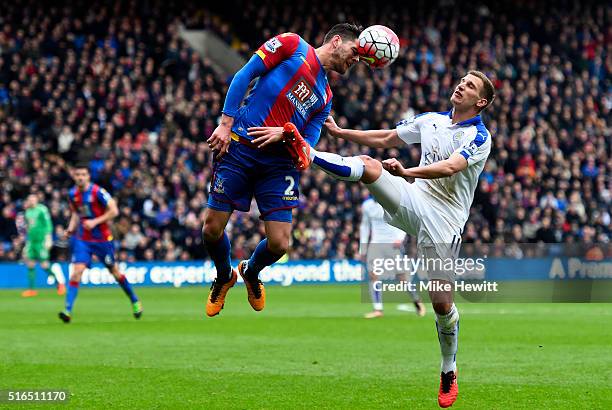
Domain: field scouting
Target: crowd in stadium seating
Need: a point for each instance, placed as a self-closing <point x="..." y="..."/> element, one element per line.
<point x="115" y="85"/>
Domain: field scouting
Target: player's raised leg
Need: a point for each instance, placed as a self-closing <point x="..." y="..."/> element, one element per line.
<point x="384" y="187"/>
<point x="219" y="249"/>
<point x="303" y="155"/>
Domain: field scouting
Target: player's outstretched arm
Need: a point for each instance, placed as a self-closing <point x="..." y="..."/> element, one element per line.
<point x="369" y="138"/>
<point x="441" y="169"/>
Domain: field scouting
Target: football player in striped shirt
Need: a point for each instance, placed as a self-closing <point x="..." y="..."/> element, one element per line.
<point x="92" y="209"/>
<point x="251" y="160"/>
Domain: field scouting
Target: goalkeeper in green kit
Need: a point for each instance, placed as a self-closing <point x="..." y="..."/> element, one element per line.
<point x="38" y="243"/>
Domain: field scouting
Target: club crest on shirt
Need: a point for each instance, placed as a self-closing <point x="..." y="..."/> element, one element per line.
<point x="302" y="96"/>
<point x="218" y="186"/>
<point x="273" y="44"/>
<point x="457" y="136"/>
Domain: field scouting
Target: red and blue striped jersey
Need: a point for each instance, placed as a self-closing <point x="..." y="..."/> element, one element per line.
<point x="91" y="203"/>
<point x="293" y="88"/>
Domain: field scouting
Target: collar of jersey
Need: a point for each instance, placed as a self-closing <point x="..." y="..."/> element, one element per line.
<point x="472" y="121"/>
<point x="320" y="65"/>
<point x="85" y="190"/>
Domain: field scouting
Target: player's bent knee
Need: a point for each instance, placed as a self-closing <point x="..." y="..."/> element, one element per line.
<point x="77" y="273"/>
<point x="442" y="308"/>
<point x="278" y="246"/>
<point x="372" y="170"/>
<point x="212" y="229"/>
<point x="76" y="276"/>
<point x="114" y="270"/>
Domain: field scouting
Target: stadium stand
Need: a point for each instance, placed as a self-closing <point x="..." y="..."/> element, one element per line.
<point x="113" y="84"/>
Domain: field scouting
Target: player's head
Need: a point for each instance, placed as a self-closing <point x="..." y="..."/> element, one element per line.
<point x="31" y="201"/>
<point x="474" y="91"/>
<point x="80" y="174"/>
<point x="341" y="41"/>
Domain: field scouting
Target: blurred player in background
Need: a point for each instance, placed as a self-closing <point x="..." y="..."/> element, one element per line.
<point x="252" y="161"/>
<point x="454" y="148"/>
<point x="92" y="209"/>
<point x="378" y="239"/>
<point x="38" y="243"/>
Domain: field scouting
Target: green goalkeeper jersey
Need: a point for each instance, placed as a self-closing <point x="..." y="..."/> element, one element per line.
<point x="38" y="221"/>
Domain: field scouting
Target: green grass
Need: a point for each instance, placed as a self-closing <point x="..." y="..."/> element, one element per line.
<point x="309" y="348"/>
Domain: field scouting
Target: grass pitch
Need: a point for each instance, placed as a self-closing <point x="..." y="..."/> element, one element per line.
<point x="310" y="348"/>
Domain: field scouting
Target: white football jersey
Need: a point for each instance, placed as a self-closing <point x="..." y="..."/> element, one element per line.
<point x="373" y="228"/>
<point x="439" y="138"/>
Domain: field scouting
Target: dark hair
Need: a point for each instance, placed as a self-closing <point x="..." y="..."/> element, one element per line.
<point x="81" y="165"/>
<point x="488" y="90"/>
<point x="347" y="31"/>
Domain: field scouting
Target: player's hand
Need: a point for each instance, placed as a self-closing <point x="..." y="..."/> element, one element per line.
<point x="48" y="242"/>
<point x="395" y="168"/>
<point x="332" y="127"/>
<point x="263" y="136"/>
<point x="89" y="224"/>
<point x="67" y="234"/>
<point x="220" y="140"/>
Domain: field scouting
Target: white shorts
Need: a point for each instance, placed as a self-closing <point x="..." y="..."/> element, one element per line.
<point x="418" y="216"/>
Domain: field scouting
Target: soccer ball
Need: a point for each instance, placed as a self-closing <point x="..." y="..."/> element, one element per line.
<point x="378" y="46"/>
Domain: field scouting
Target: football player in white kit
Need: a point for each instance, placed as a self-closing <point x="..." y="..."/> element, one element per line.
<point x="454" y="148"/>
<point x="379" y="240"/>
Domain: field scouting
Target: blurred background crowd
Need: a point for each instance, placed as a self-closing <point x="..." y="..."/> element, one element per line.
<point x="112" y="83"/>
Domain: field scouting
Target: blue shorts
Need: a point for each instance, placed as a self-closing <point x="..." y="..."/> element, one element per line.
<point x="245" y="172"/>
<point x="83" y="250"/>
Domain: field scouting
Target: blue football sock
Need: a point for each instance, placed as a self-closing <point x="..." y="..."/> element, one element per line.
<point x="219" y="252"/>
<point x="73" y="290"/>
<point x="262" y="257"/>
<point x="127" y="288"/>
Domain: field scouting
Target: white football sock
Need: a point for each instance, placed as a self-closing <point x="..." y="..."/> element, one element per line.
<point x="56" y="269"/>
<point x="376" y="297"/>
<point x="344" y="168"/>
<point x="448" y="332"/>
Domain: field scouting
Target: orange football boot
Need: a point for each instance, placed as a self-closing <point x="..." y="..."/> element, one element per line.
<point x="216" y="296"/>
<point x="448" y="389"/>
<point x="29" y="293"/>
<point x="255" y="288"/>
<point x="374" y="314"/>
<point x="61" y="289"/>
<point x="296" y="145"/>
